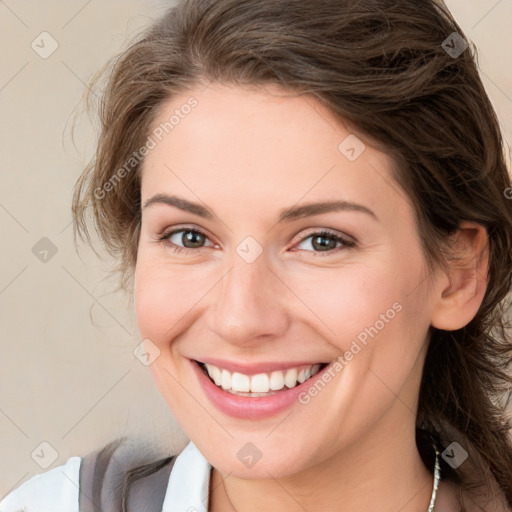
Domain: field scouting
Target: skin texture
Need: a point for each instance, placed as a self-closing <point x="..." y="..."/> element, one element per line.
<point x="246" y="154"/>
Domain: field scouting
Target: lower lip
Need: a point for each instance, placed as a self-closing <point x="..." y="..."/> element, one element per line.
<point x="252" y="407"/>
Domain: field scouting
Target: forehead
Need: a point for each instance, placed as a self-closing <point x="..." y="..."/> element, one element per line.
<point x="238" y="146"/>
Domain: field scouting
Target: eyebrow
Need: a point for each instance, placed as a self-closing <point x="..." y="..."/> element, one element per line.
<point x="285" y="215"/>
<point x="182" y="204"/>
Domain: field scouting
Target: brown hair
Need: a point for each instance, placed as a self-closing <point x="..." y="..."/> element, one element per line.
<point x="384" y="67"/>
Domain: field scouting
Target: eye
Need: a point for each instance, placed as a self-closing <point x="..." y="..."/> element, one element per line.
<point x="325" y="242"/>
<point x="185" y="239"/>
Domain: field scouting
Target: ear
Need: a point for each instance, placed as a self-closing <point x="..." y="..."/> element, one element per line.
<point x="458" y="300"/>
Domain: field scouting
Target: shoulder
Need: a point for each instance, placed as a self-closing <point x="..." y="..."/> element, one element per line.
<point x="55" y="490"/>
<point x="98" y="477"/>
<point x="120" y="470"/>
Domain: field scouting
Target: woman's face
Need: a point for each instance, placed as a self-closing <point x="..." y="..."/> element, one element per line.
<point x="233" y="270"/>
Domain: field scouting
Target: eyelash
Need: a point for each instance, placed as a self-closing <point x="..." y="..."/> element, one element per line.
<point x="346" y="243"/>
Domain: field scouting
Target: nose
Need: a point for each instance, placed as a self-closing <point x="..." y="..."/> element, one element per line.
<point x="250" y="304"/>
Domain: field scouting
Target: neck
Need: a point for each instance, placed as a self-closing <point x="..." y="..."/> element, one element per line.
<point x="382" y="471"/>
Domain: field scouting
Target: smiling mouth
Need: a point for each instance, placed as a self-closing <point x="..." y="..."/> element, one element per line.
<point x="261" y="384"/>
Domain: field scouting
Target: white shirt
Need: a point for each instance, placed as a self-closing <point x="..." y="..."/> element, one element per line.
<point x="56" y="490"/>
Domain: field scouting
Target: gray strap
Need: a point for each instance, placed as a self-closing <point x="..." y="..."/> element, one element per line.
<point x="147" y="494"/>
<point x="102" y="475"/>
<point x="85" y="499"/>
<point x="92" y="476"/>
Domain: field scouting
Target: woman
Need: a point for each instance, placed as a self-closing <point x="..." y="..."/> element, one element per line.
<point x="310" y="202"/>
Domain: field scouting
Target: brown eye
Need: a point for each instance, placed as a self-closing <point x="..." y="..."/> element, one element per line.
<point x="185" y="239"/>
<point x="192" y="239"/>
<point x="325" y="241"/>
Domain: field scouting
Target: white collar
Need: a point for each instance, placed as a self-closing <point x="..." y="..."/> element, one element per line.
<point x="187" y="490"/>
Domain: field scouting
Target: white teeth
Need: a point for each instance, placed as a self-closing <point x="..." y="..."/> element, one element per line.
<point x="290" y="379"/>
<point x="240" y="382"/>
<point x="215" y="374"/>
<point x="225" y="380"/>
<point x="276" y="381"/>
<point x="262" y="382"/>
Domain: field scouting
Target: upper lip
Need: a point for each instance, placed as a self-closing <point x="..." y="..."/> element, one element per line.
<point x="255" y="368"/>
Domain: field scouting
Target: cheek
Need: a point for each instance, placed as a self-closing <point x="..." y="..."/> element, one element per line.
<point x="163" y="299"/>
<point x="375" y="315"/>
<point x="164" y="307"/>
<point x="155" y="303"/>
<point x="344" y="302"/>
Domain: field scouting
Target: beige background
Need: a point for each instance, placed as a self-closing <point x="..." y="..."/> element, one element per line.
<point x="64" y="379"/>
